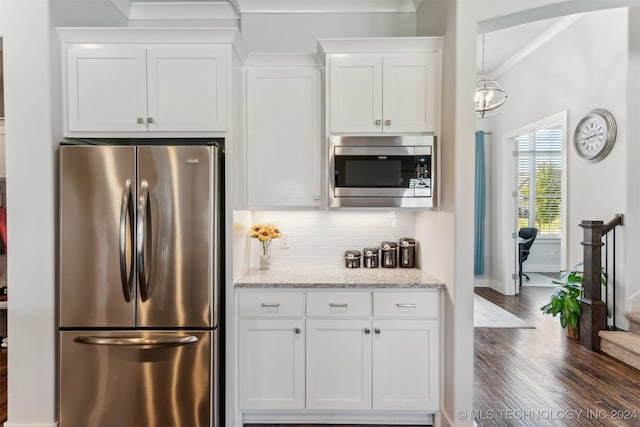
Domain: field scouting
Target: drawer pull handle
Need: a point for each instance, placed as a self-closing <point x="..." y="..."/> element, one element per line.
<point x="376" y="330"/>
<point x="270" y="304"/>
<point x="367" y="331"/>
<point x="406" y="305"/>
<point x="296" y="330"/>
<point x="335" y="304"/>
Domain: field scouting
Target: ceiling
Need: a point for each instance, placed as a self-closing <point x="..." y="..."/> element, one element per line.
<point x="505" y="48"/>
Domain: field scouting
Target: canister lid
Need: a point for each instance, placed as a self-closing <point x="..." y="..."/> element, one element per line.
<point x="370" y="251"/>
<point x="386" y="245"/>
<point x="352" y="254"/>
<point x="407" y="241"/>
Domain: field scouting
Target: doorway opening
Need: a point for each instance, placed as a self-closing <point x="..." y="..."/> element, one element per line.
<point x="538" y="208"/>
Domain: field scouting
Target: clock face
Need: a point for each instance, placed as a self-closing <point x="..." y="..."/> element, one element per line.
<point x="595" y="135"/>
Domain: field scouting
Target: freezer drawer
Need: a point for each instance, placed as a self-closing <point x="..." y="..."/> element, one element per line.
<point x="117" y="379"/>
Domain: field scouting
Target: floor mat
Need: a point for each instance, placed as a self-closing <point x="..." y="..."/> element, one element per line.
<point x="488" y="315"/>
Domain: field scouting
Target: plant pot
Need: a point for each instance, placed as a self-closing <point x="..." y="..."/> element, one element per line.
<point x="573" y="333"/>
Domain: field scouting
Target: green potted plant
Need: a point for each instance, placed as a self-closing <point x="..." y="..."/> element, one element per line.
<point x="565" y="300"/>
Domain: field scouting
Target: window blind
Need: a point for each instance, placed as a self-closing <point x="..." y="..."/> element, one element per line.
<point x="539" y="177"/>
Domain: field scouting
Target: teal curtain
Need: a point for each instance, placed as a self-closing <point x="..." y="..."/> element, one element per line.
<point x="480" y="192"/>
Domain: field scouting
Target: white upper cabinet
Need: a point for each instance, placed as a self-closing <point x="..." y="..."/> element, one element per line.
<point x="356" y="94"/>
<point x="410" y="92"/>
<point x="187" y="89"/>
<point x="106" y="89"/>
<point x="138" y="89"/>
<point x="283" y="137"/>
<point x="383" y="85"/>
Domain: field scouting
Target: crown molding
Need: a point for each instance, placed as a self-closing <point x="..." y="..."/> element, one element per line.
<point x="176" y="10"/>
<point x="328" y="6"/>
<point x="379" y="44"/>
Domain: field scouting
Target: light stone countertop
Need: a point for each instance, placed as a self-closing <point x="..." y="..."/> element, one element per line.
<point x="338" y="277"/>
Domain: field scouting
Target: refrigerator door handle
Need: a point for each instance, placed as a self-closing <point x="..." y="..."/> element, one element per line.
<point x="144" y="239"/>
<point x="139" y="342"/>
<point x="126" y="212"/>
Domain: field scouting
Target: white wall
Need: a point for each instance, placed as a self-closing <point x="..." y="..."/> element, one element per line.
<point x="583" y="68"/>
<point x="298" y="32"/>
<point x="322" y="237"/>
<point x="33" y="129"/>
<point x="450" y="229"/>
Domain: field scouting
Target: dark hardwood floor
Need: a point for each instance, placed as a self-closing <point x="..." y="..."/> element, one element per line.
<point x="539" y="377"/>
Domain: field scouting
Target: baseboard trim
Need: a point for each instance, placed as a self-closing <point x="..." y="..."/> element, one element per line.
<point x="482" y="282"/>
<point x="13" y="424"/>
<point x="336" y="417"/>
<point x="447" y="421"/>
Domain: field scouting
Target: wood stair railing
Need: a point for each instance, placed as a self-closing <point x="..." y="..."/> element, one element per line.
<point x="593" y="316"/>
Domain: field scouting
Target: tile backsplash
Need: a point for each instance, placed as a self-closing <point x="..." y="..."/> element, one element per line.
<point x="320" y="238"/>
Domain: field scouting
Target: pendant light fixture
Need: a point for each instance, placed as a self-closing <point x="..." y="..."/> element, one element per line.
<point x="490" y="95"/>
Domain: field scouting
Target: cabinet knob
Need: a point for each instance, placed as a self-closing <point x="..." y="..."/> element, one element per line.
<point x="387" y="122"/>
<point x="149" y="119"/>
<point x="297" y="330"/>
<point x="376" y="330"/>
<point x="378" y="122"/>
<point x="140" y="121"/>
<point x="367" y="331"/>
<point x="316" y="197"/>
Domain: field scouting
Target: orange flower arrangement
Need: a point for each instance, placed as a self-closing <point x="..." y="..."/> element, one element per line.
<point x="265" y="233"/>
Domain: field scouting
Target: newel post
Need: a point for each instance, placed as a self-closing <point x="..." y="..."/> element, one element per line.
<point x="594" y="313"/>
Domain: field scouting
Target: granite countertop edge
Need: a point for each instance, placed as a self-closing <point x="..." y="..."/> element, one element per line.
<point x="339" y="285"/>
<point x="336" y="278"/>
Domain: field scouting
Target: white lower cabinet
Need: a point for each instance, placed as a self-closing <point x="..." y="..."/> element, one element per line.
<point x="405" y="364"/>
<point x="338" y="364"/>
<point x="271" y="364"/>
<point x="331" y="352"/>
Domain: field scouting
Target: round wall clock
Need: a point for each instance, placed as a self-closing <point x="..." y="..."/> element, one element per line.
<point x="595" y="135"/>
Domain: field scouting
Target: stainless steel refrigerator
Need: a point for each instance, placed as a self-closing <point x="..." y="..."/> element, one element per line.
<point x="139" y="285"/>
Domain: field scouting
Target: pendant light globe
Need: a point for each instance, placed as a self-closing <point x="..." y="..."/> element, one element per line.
<point x="489" y="97"/>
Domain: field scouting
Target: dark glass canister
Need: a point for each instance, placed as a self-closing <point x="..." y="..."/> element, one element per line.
<point x="389" y="256"/>
<point x="407" y="252"/>
<point x="352" y="259"/>
<point x="371" y="257"/>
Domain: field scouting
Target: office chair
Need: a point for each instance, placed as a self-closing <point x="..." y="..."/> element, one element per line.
<point x="527" y="235"/>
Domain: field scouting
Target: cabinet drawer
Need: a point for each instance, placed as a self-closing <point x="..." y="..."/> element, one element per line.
<point x="338" y="304"/>
<point x="271" y="304"/>
<point x="405" y="304"/>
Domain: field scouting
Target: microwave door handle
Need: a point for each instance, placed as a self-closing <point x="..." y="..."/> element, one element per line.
<point x="126" y="213"/>
<point x="144" y="239"/>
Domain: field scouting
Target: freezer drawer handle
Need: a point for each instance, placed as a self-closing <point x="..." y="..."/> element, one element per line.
<point x="144" y="239"/>
<point x="406" y="305"/>
<point x="144" y="342"/>
<point x="126" y="212"/>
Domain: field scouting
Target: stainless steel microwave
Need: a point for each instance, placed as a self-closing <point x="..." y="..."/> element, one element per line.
<point x="382" y="171"/>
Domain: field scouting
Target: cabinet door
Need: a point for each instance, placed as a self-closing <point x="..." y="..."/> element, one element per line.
<point x="338" y="364"/>
<point x="355" y="94"/>
<point x="187" y="89"/>
<point x="411" y="92"/>
<point x="283" y="133"/>
<point x="106" y="89"/>
<point x="405" y="365"/>
<point x="271" y="364"/>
